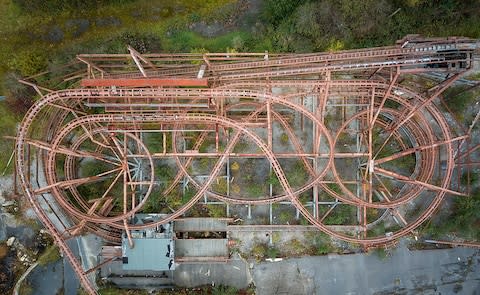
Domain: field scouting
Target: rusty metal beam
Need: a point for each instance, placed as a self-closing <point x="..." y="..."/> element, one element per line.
<point x="145" y="82"/>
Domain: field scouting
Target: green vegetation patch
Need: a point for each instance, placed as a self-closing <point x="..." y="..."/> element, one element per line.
<point x="463" y="220"/>
<point x="8" y="124"/>
<point x="458" y="99"/>
<point x="52" y="254"/>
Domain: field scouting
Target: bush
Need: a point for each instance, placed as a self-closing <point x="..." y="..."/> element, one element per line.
<point x="457" y="100"/>
<point x="29" y="62"/>
<point x="286" y="217"/>
<point x="259" y="251"/>
<point x="296" y="247"/>
<point x="466" y="217"/>
<point x="224" y="290"/>
<point x="473" y="178"/>
<point x="20" y="97"/>
<point x="143" y="43"/>
<point x="322" y="244"/>
<point x="272" y="252"/>
<point x="216" y="211"/>
<point x="381" y="253"/>
<point x="277" y="10"/>
<point x="341" y="215"/>
<point x="297" y="175"/>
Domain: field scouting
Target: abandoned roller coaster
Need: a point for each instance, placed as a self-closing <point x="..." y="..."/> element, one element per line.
<point x="357" y="130"/>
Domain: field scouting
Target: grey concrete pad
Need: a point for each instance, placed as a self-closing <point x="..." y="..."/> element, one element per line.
<point x="48" y="279"/>
<point x="234" y="273"/>
<point x="404" y="272"/>
<point x="201" y="248"/>
<point x="200" y="224"/>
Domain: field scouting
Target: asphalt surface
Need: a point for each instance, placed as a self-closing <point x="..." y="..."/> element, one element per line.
<point x="55" y="278"/>
<point x="234" y="273"/>
<point x="46" y="280"/>
<point x="70" y="280"/>
<point x="452" y="271"/>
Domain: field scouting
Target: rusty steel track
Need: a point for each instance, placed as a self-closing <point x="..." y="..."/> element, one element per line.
<point x="336" y="110"/>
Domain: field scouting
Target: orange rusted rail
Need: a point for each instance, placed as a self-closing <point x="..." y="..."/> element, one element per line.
<point x="144" y="82"/>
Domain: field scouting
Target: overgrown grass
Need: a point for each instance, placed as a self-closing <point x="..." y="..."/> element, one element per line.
<point x="33" y="40"/>
<point x="52" y="254"/>
<point x="458" y="99"/>
<point x="8" y="124"/>
<point x="463" y="221"/>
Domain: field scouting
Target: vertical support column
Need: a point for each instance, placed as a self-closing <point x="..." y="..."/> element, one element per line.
<point x="28" y="163"/>
<point x="315" y="192"/>
<point x="468" y="167"/>
<point x="125" y="178"/>
<point x="270" y="213"/>
<point x="216" y="137"/>
<point x="133" y="201"/>
<point x="370" y="147"/>
<point x="207" y="62"/>
<point x="228" y="174"/>
<point x="302" y="119"/>
<point x="321" y="107"/>
<point x="269" y="125"/>
<point x="185" y="181"/>
<point x="164" y="136"/>
<point x="270" y="191"/>
<point x="15" y="191"/>
<point x="129" y="235"/>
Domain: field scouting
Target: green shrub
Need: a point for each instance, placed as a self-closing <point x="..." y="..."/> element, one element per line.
<point x="381" y="253"/>
<point x="286" y="216"/>
<point x="224" y="290"/>
<point x="216" y="211"/>
<point x="142" y="42"/>
<point x="473" y="178"/>
<point x="272" y="252"/>
<point x="277" y="10"/>
<point x="297" y="175"/>
<point x="341" y="215"/>
<point x="259" y="251"/>
<point x="29" y="62"/>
